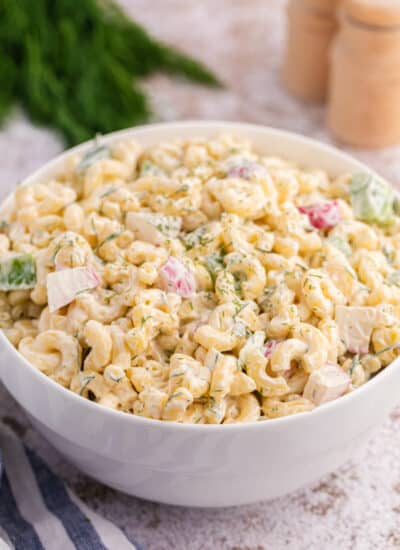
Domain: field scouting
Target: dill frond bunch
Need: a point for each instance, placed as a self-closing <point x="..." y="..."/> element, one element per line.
<point x="75" y="66"/>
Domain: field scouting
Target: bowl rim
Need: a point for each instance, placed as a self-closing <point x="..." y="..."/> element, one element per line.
<point x="125" y="417"/>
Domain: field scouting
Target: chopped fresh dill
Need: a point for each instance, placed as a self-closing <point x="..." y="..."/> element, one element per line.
<point x="315" y="275"/>
<point x="82" y="291"/>
<point x="264" y="250"/>
<point x="389" y="348"/>
<point x="92" y="156"/>
<point x="175" y="395"/>
<point x="354" y="363"/>
<point x="106" y="240"/>
<point x="239" y="306"/>
<point x="389" y="255"/>
<point x="198" y="237"/>
<point x="177" y="374"/>
<point x="216" y="359"/>
<point x="117" y="380"/>
<point x="214" y="263"/>
<point x="108" y="192"/>
<point x="93" y="226"/>
<point x="59" y="246"/>
<point x="182" y="189"/>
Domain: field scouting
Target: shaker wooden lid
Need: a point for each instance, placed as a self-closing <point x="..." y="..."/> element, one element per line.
<point x="321" y="5"/>
<point x="382" y="13"/>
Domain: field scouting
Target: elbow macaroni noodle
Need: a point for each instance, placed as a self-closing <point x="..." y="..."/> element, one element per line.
<point x="258" y="316"/>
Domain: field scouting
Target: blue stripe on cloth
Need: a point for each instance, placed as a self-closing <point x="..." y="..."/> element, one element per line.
<point x="19" y="531"/>
<point x="77" y="525"/>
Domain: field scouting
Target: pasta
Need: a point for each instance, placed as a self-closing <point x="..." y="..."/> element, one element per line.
<point x="199" y="281"/>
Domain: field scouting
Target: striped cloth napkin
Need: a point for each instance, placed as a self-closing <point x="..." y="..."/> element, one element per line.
<point x="37" y="511"/>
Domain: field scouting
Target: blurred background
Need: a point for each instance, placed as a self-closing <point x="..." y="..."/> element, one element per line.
<point x="242" y="42"/>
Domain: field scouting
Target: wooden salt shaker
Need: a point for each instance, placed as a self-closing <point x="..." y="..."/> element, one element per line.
<point x="364" y="104"/>
<point x="312" y="25"/>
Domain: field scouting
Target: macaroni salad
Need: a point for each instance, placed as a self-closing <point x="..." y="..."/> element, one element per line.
<point x="198" y="281"/>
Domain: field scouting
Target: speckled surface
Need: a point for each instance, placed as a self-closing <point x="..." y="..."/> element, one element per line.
<point x="357" y="507"/>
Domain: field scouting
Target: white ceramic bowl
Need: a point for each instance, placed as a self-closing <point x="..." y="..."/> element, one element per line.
<point x="203" y="465"/>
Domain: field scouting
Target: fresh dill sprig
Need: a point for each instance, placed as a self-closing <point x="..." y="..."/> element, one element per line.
<point x="75" y="66"/>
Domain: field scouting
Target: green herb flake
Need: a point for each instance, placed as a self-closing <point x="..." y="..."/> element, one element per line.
<point x="175" y="396"/>
<point x="117" y="380"/>
<point x="214" y="263"/>
<point x="394" y="278"/>
<point x="169" y="226"/>
<point x="93" y="226"/>
<point x="91" y="157"/>
<point x="389" y="255"/>
<point x="108" y="192"/>
<point x="355" y="361"/>
<point x="182" y="189"/>
<point x="239" y="307"/>
<point x="150" y="169"/>
<point x="107" y="239"/>
<point x="198" y="237"/>
<point x="389" y="348"/>
<point x="59" y="246"/>
<point x="178" y="374"/>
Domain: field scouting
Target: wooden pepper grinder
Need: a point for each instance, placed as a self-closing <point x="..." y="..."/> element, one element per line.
<point x="312" y="25"/>
<point x="364" y="104"/>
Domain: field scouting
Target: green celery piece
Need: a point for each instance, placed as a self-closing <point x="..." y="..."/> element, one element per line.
<point x="372" y="199"/>
<point x="340" y="244"/>
<point x="18" y="272"/>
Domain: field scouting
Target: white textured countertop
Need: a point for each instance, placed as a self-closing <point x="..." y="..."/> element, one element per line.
<point x="357" y="507"/>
